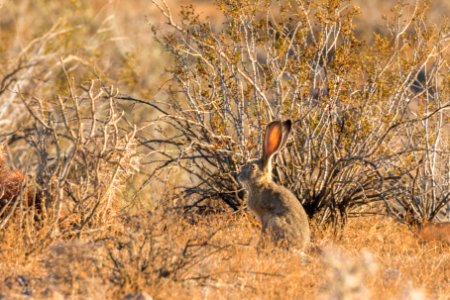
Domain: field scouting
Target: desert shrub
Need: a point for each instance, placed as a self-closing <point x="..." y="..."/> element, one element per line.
<point x="78" y="152"/>
<point x="424" y="195"/>
<point x="70" y="148"/>
<point x="351" y="101"/>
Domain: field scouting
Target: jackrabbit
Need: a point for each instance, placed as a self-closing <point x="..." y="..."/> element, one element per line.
<point x="277" y="208"/>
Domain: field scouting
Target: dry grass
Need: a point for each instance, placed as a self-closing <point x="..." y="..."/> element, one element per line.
<point x="217" y="258"/>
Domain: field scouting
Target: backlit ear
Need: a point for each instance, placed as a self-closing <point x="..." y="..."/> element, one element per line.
<point x="275" y="138"/>
<point x="272" y="140"/>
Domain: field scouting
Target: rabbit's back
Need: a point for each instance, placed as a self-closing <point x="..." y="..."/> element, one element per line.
<point x="281" y="214"/>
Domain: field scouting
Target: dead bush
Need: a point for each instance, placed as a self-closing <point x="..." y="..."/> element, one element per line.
<point x="78" y="151"/>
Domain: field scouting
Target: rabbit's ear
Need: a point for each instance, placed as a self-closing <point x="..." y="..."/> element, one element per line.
<point x="275" y="138"/>
<point x="286" y="128"/>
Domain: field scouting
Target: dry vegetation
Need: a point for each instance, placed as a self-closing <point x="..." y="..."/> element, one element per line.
<point x="124" y="124"/>
<point x="216" y="257"/>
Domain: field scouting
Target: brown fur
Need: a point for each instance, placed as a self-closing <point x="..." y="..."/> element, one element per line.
<point x="277" y="208"/>
<point x="11" y="182"/>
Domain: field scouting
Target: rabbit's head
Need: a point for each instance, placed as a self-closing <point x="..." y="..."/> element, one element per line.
<point x="275" y="139"/>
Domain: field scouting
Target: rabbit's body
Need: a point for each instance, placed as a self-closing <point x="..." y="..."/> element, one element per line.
<point x="278" y="210"/>
<point x="280" y="213"/>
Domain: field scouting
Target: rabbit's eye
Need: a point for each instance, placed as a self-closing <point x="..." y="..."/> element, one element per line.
<point x="254" y="167"/>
